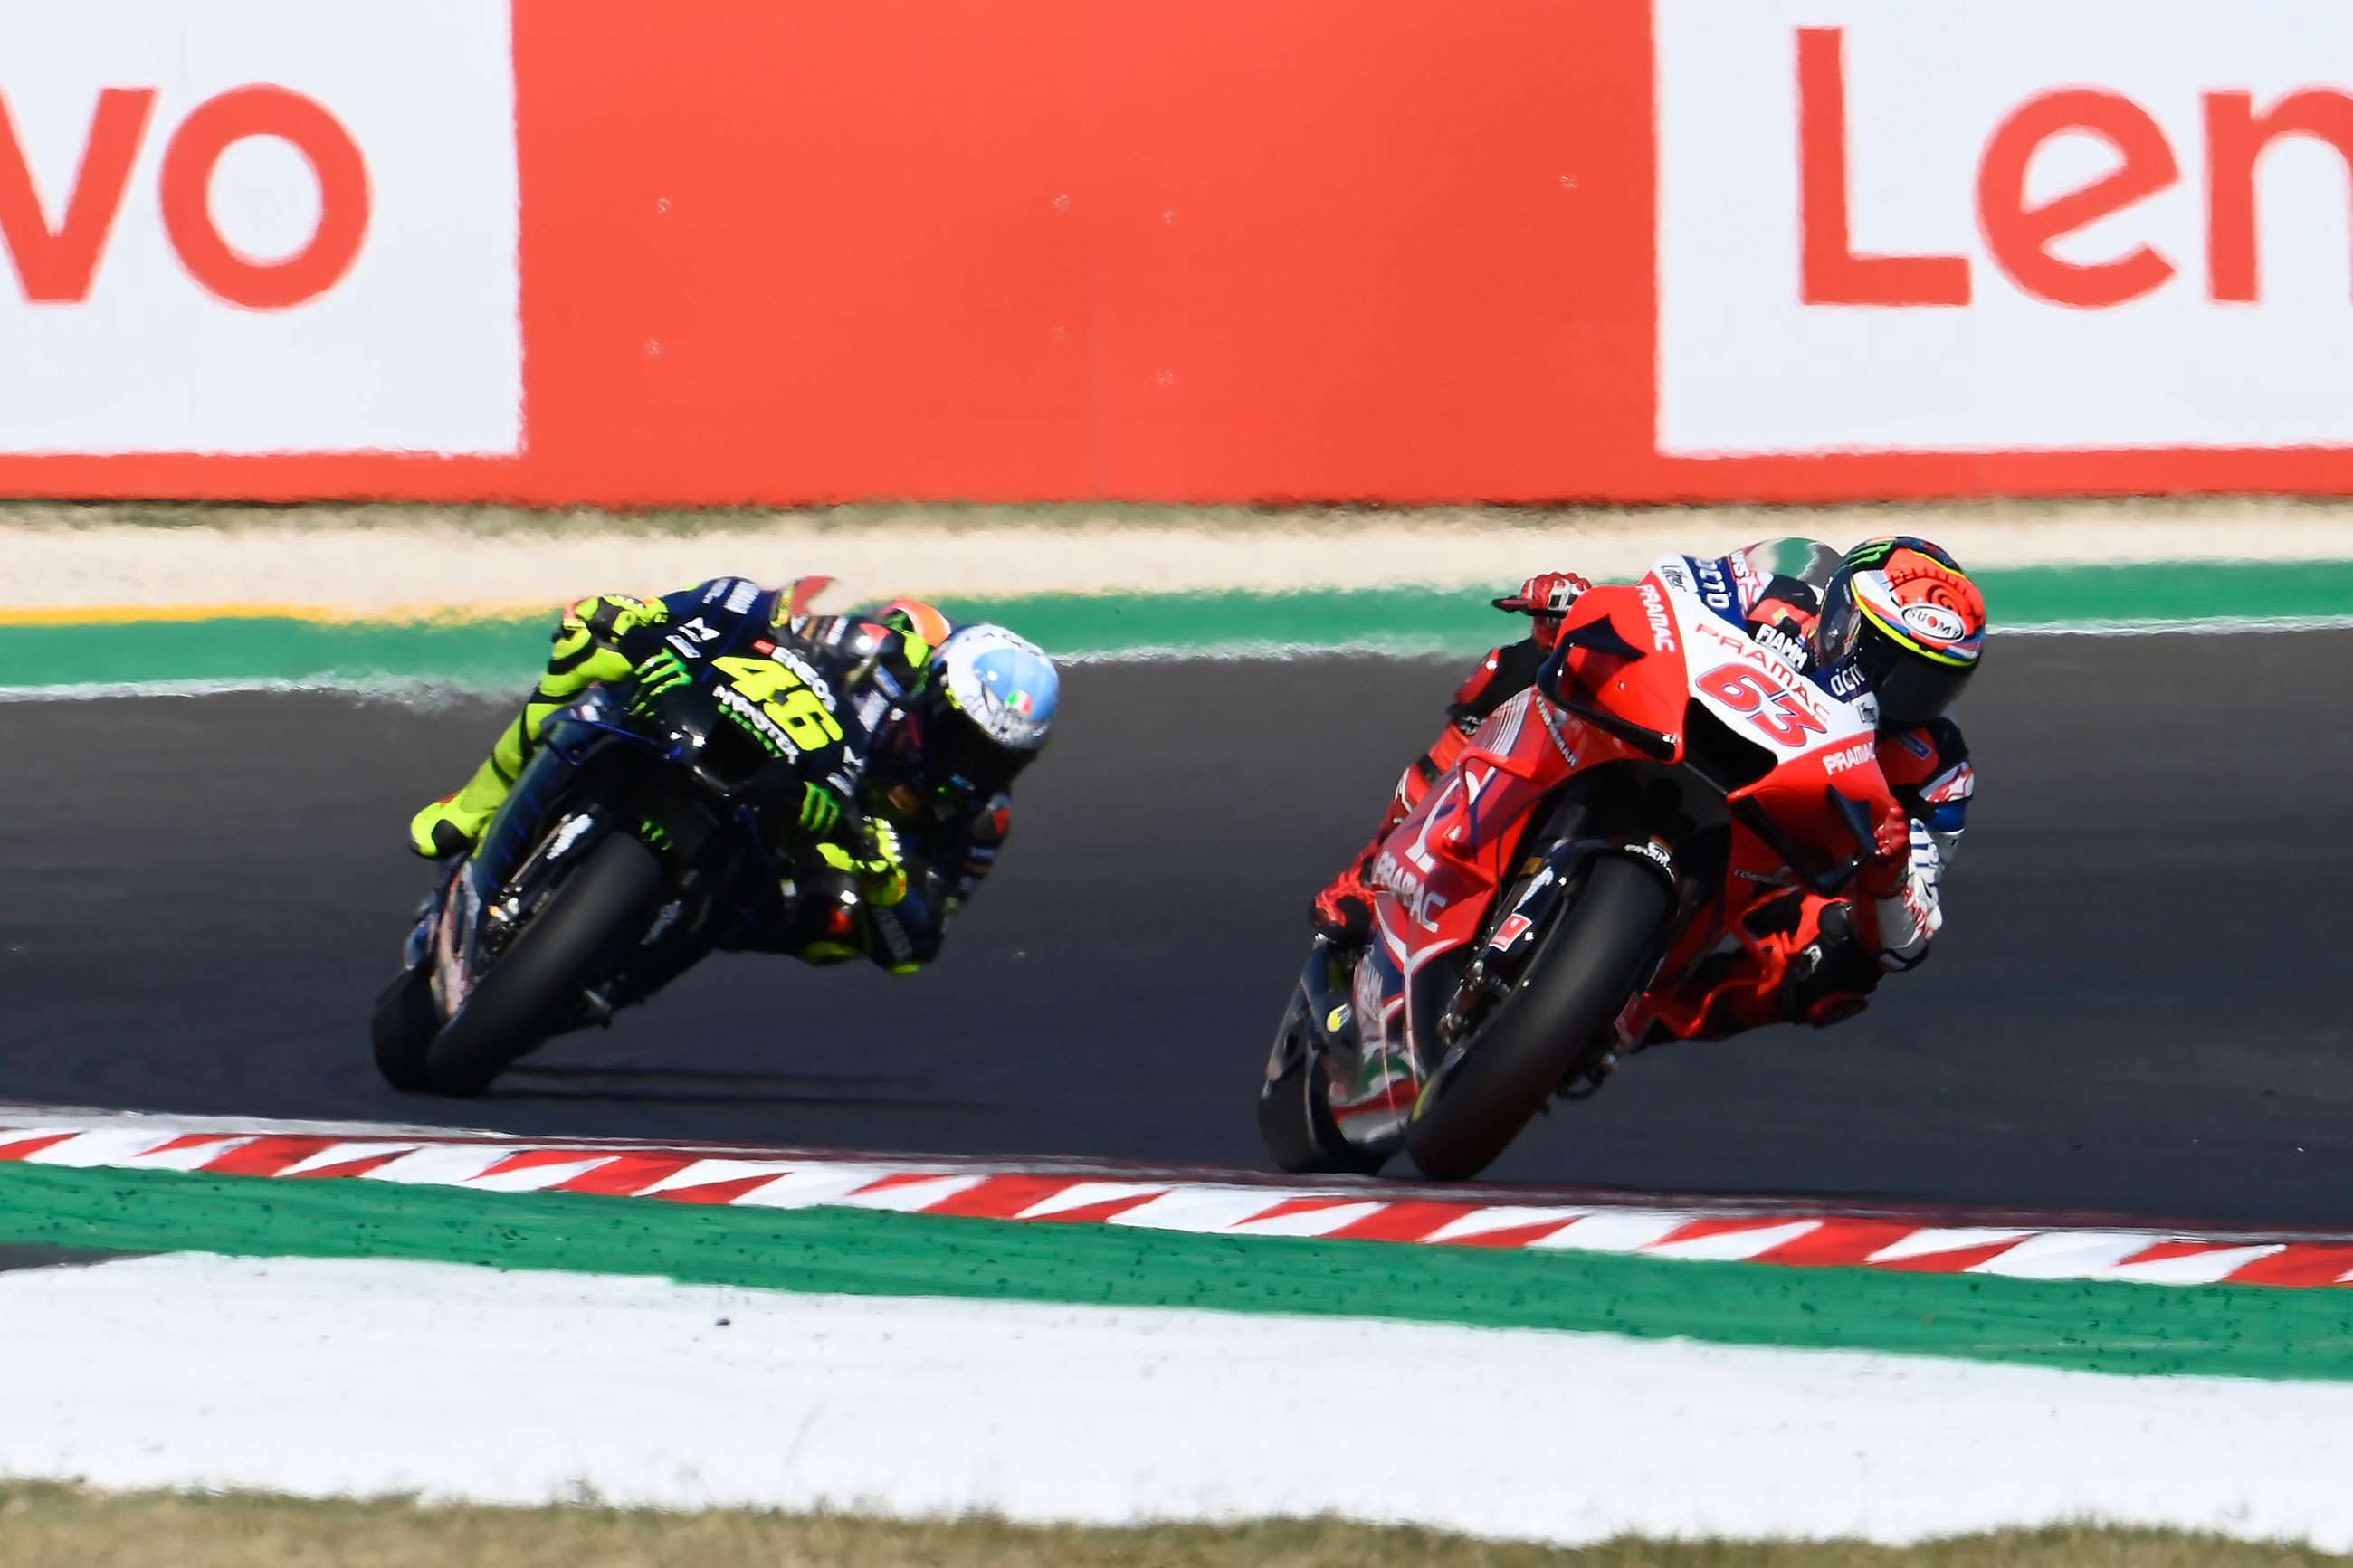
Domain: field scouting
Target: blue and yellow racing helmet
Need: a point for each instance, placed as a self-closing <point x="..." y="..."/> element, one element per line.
<point x="987" y="707"/>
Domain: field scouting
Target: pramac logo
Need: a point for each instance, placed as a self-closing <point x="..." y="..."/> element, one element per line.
<point x="56" y="264"/>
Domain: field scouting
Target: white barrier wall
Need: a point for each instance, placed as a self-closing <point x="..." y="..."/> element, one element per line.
<point x="2005" y="225"/>
<point x="260" y="226"/>
<point x="1227" y="250"/>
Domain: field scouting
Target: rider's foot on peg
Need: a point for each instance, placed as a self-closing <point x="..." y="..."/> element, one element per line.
<point x="454" y="823"/>
<point x="446" y="828"/>
<point x="1343" y="912"/>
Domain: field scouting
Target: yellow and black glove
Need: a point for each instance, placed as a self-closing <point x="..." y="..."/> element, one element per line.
<point x="881" y="875"/>
<point x="820" y="810"/>
<point x="610" y="618"/>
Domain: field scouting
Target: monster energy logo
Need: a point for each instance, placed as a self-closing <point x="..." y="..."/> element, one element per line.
<point x="663" y="672"/>
<point x="756" y="724"/>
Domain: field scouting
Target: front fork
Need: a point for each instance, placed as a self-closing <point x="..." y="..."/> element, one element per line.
<point x="1369" y="1083"/>
<point x="1324" y="1023"/>
<point x="1513" y="940"/>
<point x="1330" y="1008"/>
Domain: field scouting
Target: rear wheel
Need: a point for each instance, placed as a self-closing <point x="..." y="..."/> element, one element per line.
<point x="589" y="921"/>
<point x="1575" y="985"/>
<point x="1294" y="1106"/>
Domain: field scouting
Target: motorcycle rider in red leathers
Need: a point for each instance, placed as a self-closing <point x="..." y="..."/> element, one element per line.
<point x="1897" y="612"/>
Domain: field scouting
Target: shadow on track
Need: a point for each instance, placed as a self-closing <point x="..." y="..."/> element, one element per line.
<point x="680" y="1087"/>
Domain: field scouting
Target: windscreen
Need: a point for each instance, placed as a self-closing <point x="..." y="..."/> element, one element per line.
<point x="1807" y="561"/>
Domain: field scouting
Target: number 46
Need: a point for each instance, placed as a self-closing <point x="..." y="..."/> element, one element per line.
<point x="802" y="714"/>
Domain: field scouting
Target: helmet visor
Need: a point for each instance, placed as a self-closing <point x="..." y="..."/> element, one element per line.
<point x="1911" y="690"/>
<point x="959" y="755"/>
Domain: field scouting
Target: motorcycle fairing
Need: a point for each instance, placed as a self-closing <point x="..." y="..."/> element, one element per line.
<point x="1711" y="580"/>
<point x="1373" y="1080"/>
<point x="1625" y="691"/>
<point x="1439" y="870"/>
<point x="515" y="852"/>
<point x="1825" y="773"/>
<point x="1824" y="787"/>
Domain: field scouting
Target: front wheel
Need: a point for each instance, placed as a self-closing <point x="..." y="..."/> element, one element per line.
<point x="1575" y="986"/>
<point x="589" y="922"/>
<point x="403" y="1030"/>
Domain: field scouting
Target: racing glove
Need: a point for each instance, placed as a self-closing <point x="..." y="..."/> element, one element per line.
<point x="882" y="874"/>
<point x="820" y="810"/>
<point x="658" y="672"/>
<point x="1905" y="883"/>
<point x="612" y="617"/>
<point x="1548" y="596"/>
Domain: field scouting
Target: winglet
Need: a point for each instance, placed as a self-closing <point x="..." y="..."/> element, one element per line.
<point x="1601" y="635"/>
<point x="804" y="593"/>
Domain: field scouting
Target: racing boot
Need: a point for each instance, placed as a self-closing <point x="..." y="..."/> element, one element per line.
<point x="1832" y="977"/>
<point x="453" y="824"/>
<point x="584" y="653"/>
<point x="1802" y="965"/>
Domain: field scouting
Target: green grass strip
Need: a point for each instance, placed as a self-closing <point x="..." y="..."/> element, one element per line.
<point x="2169" y="592"/>
<point x="484" y="656"/>
<point x="502" y="654"/>
<point x="2227" y="1331"/>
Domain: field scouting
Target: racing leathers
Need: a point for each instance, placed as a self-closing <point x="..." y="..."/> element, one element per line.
<point x="882" y="880"/>
<point x="1810" y="959"/>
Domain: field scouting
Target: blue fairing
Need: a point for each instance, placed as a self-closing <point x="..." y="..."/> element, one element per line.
<point x="1716" y="589"/>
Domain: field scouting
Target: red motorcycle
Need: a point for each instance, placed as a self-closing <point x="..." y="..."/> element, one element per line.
<point x="1602" y="836"/>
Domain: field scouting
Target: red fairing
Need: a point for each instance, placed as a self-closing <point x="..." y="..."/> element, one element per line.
<point x="1666" y="659"/>
<point x="1651" y="691"/>
<point x="1440" y="867"/>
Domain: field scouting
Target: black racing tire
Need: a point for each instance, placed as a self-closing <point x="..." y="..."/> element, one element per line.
<point x="1295" y="1108"/>
<point x="403" y="1028"/>
<point x="1579" y="980"/>
<point x="589" y="921"/>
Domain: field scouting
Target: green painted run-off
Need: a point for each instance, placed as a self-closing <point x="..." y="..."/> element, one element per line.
<point x="2223" y="1330"/>
<point x="499" y="655"/>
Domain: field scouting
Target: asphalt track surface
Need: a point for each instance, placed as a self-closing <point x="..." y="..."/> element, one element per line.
<point x="17" y="1259"/>
<point x="2140" y="1006"/>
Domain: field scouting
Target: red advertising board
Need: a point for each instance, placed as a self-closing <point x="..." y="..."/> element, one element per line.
<point x="1170" y="250"/>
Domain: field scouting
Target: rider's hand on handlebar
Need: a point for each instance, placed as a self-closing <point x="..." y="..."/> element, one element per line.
<point x="1548" y="596"/>
<point x="881" y="869"/>
<point x="820" y="809"/>
<point x="1890" y="864"/>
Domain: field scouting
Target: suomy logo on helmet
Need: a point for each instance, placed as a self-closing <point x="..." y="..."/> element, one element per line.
<point x="1934" y="621"/>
